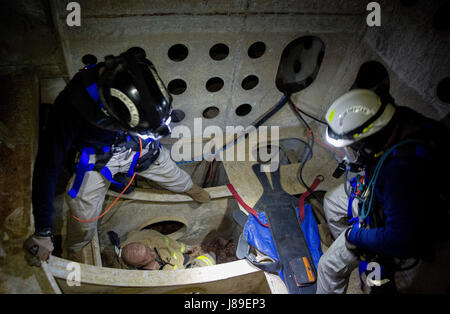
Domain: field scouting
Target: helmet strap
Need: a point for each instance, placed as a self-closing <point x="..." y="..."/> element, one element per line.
<point x="378" y="142"/>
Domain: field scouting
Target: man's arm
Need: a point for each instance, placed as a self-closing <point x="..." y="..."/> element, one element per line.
<point x="54" y="144"/>
<point x="400" y="193"/>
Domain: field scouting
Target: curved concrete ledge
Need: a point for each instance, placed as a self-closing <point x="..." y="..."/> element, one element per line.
<point x="163" y="196"/>
<point x="233" y="277"/>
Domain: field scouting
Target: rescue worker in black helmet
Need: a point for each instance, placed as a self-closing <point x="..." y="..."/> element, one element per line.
<point x="114" y="113"/>
<point x="387" y="218"/>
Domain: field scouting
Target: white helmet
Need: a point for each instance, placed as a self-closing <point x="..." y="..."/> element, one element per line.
<point x="355" y="115"/>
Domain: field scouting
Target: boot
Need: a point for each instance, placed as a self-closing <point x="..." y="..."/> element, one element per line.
<point x="198" y="194"/>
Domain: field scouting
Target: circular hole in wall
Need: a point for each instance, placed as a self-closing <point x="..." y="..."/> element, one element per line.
<point x="176" y="86"/>
<point x="299" y="64"/>
<point x="250" y="82"/>
<point x="370" y="75"/>
<point x="309" y="80"/>
<point x="219" y="52"/>
<point x="307" y="43"/>
<point x="178" y="52"/>
<point x="441" y="19"/>
<point x="210" y="112"/>
<point x="89" y="59"/>
<point x="243" y="110"/>
<point x="177" y="115"/>
<point x="166" y="227"/>
<point x="320" y="57"/>
<point x="256" y="50"/>
<point x="214" y="84"/>
<point x="443" y="90"/>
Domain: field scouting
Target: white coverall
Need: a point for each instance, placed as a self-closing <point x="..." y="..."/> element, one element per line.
<point x="338" y="262"/>
<point x="89" y="200"/>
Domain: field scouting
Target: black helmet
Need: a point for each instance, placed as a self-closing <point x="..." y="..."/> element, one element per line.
<point x="132" y="95"/>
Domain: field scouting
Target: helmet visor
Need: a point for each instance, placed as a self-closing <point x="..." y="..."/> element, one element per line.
<point x="337" y="140"/>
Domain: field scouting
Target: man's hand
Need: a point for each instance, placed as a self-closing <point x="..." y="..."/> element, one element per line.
<point x="37" y="248"/>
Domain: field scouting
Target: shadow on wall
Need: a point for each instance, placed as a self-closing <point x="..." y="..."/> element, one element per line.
<point x="373" y="75"/>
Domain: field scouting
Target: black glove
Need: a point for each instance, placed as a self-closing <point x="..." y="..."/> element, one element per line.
<point x="38" y="247"/>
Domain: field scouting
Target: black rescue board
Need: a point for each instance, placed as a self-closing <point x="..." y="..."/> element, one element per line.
<point x="287" y="234"/>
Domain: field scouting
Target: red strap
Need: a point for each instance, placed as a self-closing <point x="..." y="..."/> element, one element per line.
<point x="301" y="200"/>
<point x="248" y="208"/>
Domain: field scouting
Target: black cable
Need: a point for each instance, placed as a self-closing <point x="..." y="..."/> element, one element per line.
<point x="310" y="151"/>
<point x="310" y="116"/>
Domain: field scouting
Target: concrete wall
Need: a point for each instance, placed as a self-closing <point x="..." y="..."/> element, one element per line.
<point x="199" y="25"/>
<point x="416" y="53"/>
<point x="30" y="53"/>
<point x="29" y="40"/>
<point x="18" y="111"/>
<point x="39" y="52"/>
<point x="110" y="27"/>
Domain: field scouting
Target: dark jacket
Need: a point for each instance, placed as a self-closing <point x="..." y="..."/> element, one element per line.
<point x="65" y="128"/>
<point x="410" y="211"/>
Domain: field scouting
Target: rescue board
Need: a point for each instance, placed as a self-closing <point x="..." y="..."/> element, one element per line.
<point x="294" y="257"/>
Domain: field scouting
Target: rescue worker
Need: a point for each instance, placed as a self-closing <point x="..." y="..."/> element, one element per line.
<point x="395" y="209"/>
<point x="151" y="250"/>
<point x="114" y="114"/>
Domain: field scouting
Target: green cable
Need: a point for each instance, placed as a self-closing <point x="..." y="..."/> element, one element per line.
<point x="372" y="183"/>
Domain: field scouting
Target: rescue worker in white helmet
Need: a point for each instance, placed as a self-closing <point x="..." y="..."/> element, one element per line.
<point x="114" y="113"/>
<point x="394" y="210"/>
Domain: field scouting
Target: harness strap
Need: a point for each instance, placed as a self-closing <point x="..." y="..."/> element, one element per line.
<point x="133" y="165"/>
<point x="93" y="92"/>
<point x="373" y="181"/>
<point x="82" y="167"/>
<point x="357" y="184"/>
<point x="301" y="199"/>
<point x="106" y="173"/>
<point x="248" y="208"/>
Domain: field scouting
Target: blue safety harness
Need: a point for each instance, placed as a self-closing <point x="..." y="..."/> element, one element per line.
<point x="358" y="187"/>
<point x="84" y="165"/>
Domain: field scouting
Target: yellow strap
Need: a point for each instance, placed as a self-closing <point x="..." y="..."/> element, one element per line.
<point x="205" y="259"/>
<point x="368" y="128"/>
<point x="378" y="154"/>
